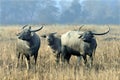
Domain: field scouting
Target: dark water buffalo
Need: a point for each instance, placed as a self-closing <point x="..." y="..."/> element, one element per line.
<point x="80" y="44"/>
<point x="28" y="44"/>
<point x="54" y="42"/>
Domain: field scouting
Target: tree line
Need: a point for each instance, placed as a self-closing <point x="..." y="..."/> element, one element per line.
<point x="59" y="12"/>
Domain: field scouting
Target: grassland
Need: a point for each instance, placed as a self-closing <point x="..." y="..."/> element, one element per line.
<point x="106" y="61"/>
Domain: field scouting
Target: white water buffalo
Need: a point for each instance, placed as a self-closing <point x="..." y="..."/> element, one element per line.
<point x="80" y="44"/>
<point x="28" y="44"/>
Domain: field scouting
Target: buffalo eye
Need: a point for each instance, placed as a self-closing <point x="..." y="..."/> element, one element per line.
<point x="44" y="36"/>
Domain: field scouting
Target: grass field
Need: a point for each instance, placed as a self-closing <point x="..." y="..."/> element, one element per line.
<point x="106" y="61"/>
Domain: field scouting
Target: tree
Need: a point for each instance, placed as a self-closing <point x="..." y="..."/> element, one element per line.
<point x="46" y="11"/>
<point x="28" y="11"/>
<point x="71" y="14"/>
<point x="101" y="11"/>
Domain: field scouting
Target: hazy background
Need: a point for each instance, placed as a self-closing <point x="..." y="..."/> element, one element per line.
<point x="59" y="12"/>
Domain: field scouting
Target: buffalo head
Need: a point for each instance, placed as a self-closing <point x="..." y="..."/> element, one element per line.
<point x="88" y="35"/>
<point x="27" y="33"/>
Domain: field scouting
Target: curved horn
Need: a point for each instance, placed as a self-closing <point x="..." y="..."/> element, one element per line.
<point x="24" y="26"/>
<point x="102" y="33"/>
<point x="36" y="29"/>
<point x="80" y="27"/>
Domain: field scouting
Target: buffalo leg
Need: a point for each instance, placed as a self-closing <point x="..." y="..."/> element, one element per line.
<point x="67" y="57"/>
<point x="35" y="58"/>
<point x="18" y="57"/>
<point x="28" y="62"/>
<point x="21" y="58"/>
<point x="85" y="59"/>
<point x="79" y="59"/>
<point x="91" y="60"/>
<point x="57" y="58"/>
<point x="63" y="54"/>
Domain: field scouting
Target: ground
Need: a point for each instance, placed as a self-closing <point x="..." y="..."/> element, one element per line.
<point x="106" y="61"/>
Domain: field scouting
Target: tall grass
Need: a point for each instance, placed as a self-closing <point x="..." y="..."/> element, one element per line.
<point x="106" y="61"/>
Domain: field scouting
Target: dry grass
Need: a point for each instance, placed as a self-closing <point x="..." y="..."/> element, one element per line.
<point x="106" y="61"/>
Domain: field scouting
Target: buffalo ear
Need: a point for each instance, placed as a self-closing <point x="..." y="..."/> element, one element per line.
<point x="53" y="33"/>
<point x="17" y="34"/>
<point x="43" y="36"/>
<point x="29" y="27"/>
<point x="80" y="36"/>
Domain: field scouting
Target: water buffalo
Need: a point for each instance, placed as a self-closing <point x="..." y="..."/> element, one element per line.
<point x="28" y="44"/>
<point x="80" y="44"/>
<point x="54" y="42"/>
